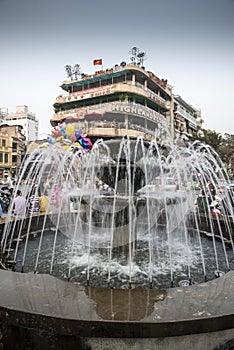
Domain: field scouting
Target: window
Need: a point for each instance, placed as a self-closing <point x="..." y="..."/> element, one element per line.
<point x="6" y="158"/>
<point x="14" y="159"/>
<point x="3" y="143"/>
<point x="0" y="157"/>
<point x="14" y="146"/>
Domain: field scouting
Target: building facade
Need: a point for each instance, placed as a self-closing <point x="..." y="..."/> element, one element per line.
<point x="12" y="148"/>
<point x="26" y="119"/>
<point x="124" y="100"/>
<point x="187" y="119"/>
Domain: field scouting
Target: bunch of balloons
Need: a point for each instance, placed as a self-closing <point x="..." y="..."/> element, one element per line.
<point x="68" y="135"/>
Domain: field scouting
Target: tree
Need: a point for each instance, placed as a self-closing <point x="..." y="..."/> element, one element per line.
<point x="76" y="71"/>
<point x="68" y="69"/>
<point x="141" y="57"/>
<point x="134" y="52"/>
<point x="209" y="137"/>
<point x="223" y="145"/>
<point x="226" y="152"/>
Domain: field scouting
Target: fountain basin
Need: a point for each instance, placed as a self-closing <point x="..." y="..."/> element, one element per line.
<point x="42" y="302"/>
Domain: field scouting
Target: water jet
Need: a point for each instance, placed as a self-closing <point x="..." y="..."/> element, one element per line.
<point x="114" y="220"/>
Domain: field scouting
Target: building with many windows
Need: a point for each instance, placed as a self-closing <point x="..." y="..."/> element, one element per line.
<point x="26" y="119"/>
<point x="186" y="117"/>
<point x="12" y="148"/>
<point x="124" y="100"/>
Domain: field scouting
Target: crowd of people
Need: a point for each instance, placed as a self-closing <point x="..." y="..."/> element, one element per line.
<point x="34" y="203"/>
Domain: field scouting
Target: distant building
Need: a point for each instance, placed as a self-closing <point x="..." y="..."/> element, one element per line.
<point x="12" y="148"/>
<point x="186" y="118"/>
<point x="26" y="119"/>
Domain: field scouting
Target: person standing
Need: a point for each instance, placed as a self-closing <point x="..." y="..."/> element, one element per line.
<point x="19" y="205"/>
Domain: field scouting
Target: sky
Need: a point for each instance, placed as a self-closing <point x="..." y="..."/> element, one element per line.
<point x="190" y="43"/>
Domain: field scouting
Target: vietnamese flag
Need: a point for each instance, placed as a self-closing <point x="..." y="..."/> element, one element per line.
<point x="97" y="62"/>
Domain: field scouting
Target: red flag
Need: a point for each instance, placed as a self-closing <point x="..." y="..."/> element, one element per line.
<point x="97" y="62"/>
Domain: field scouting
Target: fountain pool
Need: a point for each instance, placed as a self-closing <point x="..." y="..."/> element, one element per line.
<point x="124" y="215"/>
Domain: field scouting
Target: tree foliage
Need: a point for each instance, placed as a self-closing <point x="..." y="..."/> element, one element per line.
<point x="223" y="145"/>
<point x="226" y="151"/>
<point x="209" y="137"/>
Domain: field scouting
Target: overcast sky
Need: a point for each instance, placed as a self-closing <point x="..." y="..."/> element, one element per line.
<point x="190" y="43"/>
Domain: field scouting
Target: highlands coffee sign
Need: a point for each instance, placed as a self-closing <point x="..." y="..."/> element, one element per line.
<point x="145" y="112"/>
<point x="98" y="112"/>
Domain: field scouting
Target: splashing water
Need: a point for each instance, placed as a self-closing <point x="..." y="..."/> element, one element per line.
<point x="125" y="213"/>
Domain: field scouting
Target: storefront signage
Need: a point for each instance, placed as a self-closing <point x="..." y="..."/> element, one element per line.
<point x="137" y="110"/>
<point x="91" y="93"/>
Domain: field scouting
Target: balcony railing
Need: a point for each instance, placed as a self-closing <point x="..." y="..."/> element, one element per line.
<point x="108" y="89"/>
<point x="153" y="95"/>
<point x="186" y="115"/>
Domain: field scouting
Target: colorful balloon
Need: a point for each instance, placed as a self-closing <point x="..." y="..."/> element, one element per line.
<point x="44" y="145"/>
<point x="77" y="144"/>
<point x="51" y="139"/>
<point x="78" y="134"/>
<point x="73" y="137"/>
<point x="59" y="139"/>
<point x="62" y="131"/>
<point x="67" y="135"/>
<point x="70" y="129"/>
<point x="65" y="147"/>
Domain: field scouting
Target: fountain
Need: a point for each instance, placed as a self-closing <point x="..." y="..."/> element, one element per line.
<point x="123" y="220"/>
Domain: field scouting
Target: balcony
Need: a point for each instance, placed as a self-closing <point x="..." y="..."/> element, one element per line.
<point x="186" y="115"/>
<point x="153" y="96"/>
<point x="124" y="87"/>
<point x="114" y="129"/>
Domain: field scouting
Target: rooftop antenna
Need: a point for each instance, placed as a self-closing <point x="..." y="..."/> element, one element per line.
<point x="134" y="54"/>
